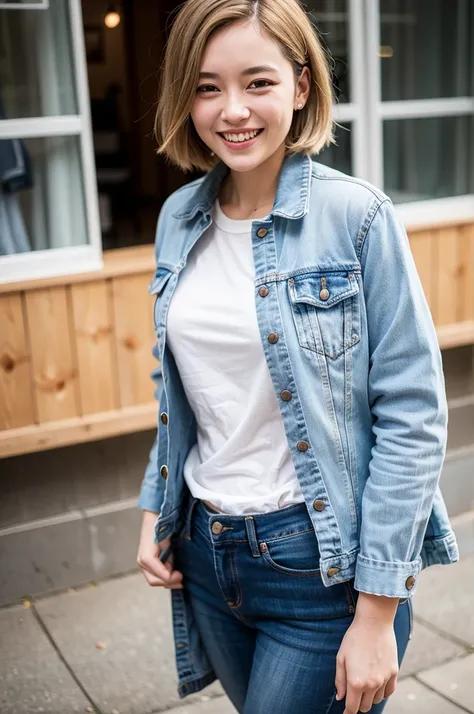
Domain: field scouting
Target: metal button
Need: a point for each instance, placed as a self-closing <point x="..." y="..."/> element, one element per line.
<point x="164" y="472"/>
<point x="217" y="527"/>
<point x="409" y="583"/>
<point x="302" y="446"/>
<point x="164" y="418"/>
<point x="263" y="292"/>
<point x="272" y="338"/>
<point x="324" y="294"/>
<point x="333" y="571"/>
<point x="319" y="505"/>
<point x="286" y="395"/>
<point x="263" y="547"/>
<point x="262" y="232"/>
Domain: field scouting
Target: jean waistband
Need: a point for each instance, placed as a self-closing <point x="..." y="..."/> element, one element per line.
<point x="225" y="528"/>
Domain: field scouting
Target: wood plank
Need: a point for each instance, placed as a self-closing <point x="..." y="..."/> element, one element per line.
<point x="16" y="401"/>
<point x="93" y="332"/>
<point x="55" y="374"/>
<point x="423" y="249"/>
<point x="122" y="261"/>
<point x="77" y="430"/>
<point x="461" y="333"/>
<point x="466" y="239"/>
<point x="133" y="318"/>
<point x="449" y="269"/>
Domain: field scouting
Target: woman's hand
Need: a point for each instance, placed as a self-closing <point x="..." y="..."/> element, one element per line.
<point x="148" y="559"/>
<point x="367" y="661"/>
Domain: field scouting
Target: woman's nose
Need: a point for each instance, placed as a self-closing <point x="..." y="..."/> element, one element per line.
<point x="234" y="110"/>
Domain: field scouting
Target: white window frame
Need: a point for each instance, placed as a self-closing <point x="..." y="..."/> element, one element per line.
<point x="366" y="113"/>
<point x="434" y="211"/>
<point x="76" y="259"/>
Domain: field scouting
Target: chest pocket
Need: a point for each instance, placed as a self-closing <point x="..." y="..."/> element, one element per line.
<point x="326" y="311"/>
<point x="157" y="287"/>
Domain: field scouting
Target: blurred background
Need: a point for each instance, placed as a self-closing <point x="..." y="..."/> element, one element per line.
<point x="80" y="191"/>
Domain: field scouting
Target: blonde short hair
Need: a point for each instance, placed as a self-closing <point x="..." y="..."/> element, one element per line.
<point x="283" y="20"/>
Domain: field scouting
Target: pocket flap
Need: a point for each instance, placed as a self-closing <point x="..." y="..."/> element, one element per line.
<point x="160" y="279"/>
<point x="323" y="289"/>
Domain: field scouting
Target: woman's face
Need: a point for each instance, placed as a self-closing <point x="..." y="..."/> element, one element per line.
<point x="246" y="96"/>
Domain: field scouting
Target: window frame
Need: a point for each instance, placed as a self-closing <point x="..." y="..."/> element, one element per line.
<point x="435" y="211"/>
<point x="71" y="259"/>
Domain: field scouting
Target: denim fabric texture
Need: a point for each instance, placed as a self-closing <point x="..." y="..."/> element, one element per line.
<point x="270" y="628"/>
<point x="357" y="349"/>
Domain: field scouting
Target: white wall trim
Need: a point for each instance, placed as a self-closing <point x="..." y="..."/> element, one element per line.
<point x="437" y="211"/>
<point x="39" y="127"/>
<point x="43" y="5"/>
<point x="418" y="108"/>
<point x="87" y="146"/>
<point x="345" y="112"/>
<point x="49" y="263"/>
<point x="373" y="93"/>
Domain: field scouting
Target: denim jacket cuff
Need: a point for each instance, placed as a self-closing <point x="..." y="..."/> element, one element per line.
<point x="150" y="499"/>
<point x="392" y="579"/>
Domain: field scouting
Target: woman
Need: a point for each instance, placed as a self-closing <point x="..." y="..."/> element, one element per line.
<point x="292" y="495"/>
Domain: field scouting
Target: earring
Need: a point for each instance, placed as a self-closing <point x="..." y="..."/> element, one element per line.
<point x="212" y="153"/>
<point x="300" y="106"/>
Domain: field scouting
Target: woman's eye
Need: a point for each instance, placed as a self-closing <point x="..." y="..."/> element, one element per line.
<point x="262" y="83"/>
<point x="204" y="88"/>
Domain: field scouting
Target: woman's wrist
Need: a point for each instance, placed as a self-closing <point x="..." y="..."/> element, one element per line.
<point x="378" y="609"/>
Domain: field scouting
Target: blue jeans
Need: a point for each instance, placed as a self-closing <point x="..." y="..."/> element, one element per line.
<point x="269" y="626"/>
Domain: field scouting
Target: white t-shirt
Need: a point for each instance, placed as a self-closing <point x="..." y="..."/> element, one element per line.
<point x="241" y="461"/>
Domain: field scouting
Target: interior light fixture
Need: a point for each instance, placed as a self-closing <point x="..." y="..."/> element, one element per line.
<point x="112" y="17"/>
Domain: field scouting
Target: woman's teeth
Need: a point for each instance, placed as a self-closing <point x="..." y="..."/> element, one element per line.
<point x="240" y="137"/>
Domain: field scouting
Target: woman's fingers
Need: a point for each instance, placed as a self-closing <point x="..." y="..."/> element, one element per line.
<point x="174" y="583"/>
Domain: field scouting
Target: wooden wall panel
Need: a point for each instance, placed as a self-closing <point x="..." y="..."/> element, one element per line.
<point x="133" y="320"/>
<point x="466" y="238"/>
<point x="423" y="248"/>
<point x="54" y="370"/>
<point x="448" y="276"/>
<point x="16" y="396"/>
<point x="94" y="337"/>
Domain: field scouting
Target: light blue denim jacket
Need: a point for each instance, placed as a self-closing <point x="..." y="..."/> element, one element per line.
<point x="357" y="349"/>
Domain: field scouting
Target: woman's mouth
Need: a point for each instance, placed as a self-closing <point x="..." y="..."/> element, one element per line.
<point x="240" y="140"/>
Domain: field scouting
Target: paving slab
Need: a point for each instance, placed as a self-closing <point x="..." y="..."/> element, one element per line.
<point x="411" y="697"/>
<point x="427" y="649"/>
<point x="444" y="599"/>
<point x="454" y="680"/>
<point x="117" y="639"/>
<point x="32" y="676"/>
<point x="217" y="705"/>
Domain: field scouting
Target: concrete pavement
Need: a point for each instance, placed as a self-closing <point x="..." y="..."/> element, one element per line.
<point x="107" y="648"/>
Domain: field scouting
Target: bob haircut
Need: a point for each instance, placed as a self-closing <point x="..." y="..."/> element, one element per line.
<point x="284" y="21"/>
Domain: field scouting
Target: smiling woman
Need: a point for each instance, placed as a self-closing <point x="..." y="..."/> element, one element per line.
<point x="286" y="91"/>
<point x="284" y="502"/>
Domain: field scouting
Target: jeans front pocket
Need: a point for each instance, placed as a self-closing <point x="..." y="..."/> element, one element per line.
<point x="293" y="554"/>
<point x="326" y="311"/>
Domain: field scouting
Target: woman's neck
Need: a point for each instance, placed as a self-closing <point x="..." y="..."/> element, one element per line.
<point x="251" y="194"/>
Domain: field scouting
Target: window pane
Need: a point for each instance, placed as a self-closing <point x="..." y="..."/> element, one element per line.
<point x="426" y="48"/>
<point x="429" y="158"/>
<point x="36" y="66"/>
<point x="331" y="17"/>
<point x="41" y="195"/>
<point x="338" y="155"/>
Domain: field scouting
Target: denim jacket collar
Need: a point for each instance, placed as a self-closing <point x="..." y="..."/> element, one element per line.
<point x="292" y="198"/>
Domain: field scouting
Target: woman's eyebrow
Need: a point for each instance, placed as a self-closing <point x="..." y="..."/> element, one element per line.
<point x="249" y="71"/>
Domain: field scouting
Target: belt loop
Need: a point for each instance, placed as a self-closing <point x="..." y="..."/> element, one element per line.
<point x="252" y="536"/>
<point x="189" y="517"/>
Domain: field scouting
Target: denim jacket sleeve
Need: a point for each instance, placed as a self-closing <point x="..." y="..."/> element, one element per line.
<point x="408" y="404"/>
<point x="152" y="488"/>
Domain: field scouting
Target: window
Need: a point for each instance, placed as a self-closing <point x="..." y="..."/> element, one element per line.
<point x="48" y="201"/>
<point x="405" y="71"/>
